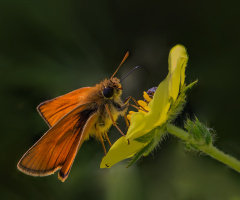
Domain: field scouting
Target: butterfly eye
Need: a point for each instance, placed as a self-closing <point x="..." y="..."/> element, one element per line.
<point x="108" y="92"/>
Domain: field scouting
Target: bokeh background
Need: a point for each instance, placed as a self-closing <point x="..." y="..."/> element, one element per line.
<point x="49" y="48"/>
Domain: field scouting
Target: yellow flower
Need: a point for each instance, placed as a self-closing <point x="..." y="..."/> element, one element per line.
<point x="147" y="128"/>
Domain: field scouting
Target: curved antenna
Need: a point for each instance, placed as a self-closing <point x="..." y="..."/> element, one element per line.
<point x="125" y="57"/>
<point x="134" y="70"/>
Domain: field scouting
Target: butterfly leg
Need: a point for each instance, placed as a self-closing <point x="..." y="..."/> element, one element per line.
<point x="134" y="100"/>
<point x="114" y="123"/>
<point x="126" y="103"/>
<point x="106" y="136"/>
<point x="126" y="120"/>
<point x="101" y="140"/>
<point x="137" y="106"/>
<point x="127" y="99"/>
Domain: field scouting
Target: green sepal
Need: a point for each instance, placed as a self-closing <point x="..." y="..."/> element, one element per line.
<point x="140" y="153"/>
<point x="189" y="86"/>
<point x="189" y="147"/>
<point x="199" y="133"/>
<point x="146" y="138"/>
<point x="176" y="107"/>
<point x="157" y="138"/>
<point x="153" y="138"/>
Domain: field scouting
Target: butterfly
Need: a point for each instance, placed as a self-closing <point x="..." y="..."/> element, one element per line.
<point x="72" y="119"/>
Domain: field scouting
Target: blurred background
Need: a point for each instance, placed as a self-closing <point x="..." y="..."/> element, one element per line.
<point x="49" y="48"/>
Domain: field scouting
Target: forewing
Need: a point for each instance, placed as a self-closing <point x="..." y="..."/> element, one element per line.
<point x="59" y="144"/>
<point x="64" y="172"/>
<point x="53" y="110"/>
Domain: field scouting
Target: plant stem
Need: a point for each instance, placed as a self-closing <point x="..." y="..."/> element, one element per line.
<point x="222" y="157"/>
<point x="208" y="149"/>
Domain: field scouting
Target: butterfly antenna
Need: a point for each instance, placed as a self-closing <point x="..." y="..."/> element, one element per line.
<point x="134" y="70"/>
<point x="125" y="57"/>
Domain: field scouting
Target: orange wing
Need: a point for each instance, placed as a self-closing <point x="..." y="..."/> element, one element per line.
<point x="57" y="148"/>
<point x="53" y="110"/>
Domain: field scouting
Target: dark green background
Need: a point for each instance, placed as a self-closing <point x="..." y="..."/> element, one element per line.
<point x="49" y="48"/>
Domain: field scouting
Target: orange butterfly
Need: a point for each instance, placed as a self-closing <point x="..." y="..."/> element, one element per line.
<point x="72" y="119"/>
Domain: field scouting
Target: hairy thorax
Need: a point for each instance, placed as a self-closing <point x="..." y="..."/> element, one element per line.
<point x="115" y="105"/>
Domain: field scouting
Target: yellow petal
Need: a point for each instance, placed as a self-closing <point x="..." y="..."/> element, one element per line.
<point x="176" y="53"/>
<point x="160" y="104"/>
<point x="143" y="104"/>
<point x="141" y="111"/>
<point x="146" y="96"/>
<point x="129" y="117"/>
<point x="120" y="150"/>
<point x="177" y="63"/>
<point x="137" y="127"/>
<point x="183" y="72"/>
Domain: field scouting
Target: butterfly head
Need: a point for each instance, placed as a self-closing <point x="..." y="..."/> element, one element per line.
<point x="112" y="88"/>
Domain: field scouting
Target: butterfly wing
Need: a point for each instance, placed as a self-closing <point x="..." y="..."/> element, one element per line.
<point x="57" y="148"/>
<point x="53" y="110"/>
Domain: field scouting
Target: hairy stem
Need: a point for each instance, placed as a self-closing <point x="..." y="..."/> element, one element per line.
<point x="208" y="149"/>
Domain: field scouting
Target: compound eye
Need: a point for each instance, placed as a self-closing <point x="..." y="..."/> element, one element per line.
<point x="108" y="92"/>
